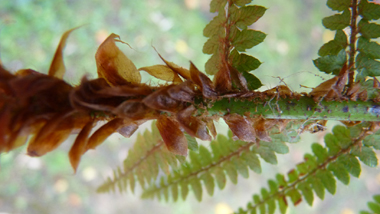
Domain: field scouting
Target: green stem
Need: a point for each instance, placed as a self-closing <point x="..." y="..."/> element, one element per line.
<point x="302" y="108"/>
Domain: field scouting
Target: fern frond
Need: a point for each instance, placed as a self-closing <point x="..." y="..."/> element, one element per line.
<point x="229" y="37"/>
<point x="374" y="206"/>
<point x="143" y="163"/>
<point x="226" y="160"/>
<point x="320" y="170"/>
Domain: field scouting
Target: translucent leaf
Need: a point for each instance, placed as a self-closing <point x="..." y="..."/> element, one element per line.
<point x="331" y="63"/>
<point x="211" y="46"/>
<point x="247" y="39"/>
<point x="369" y="30"/>
<point x="192" y="143"/>
<point x="113" y="65"/>
<point x="246" y="16"/>
<point x="241" y="2"/>
<point x="241" y="167"/>
<point x="337" y="21"/>
<point x="351" y="164"/>
<point x="280" y="178"/>
<point x="327" y="180"/>
<point x="267" y="154"/>
<point x="216" y="5"/>
<point x="173" y="137"/>
<point x="231" y="171"/>
<point x="184" y="189"/>
<point x="215" y="26"/>
<point x="277" y="146"/>
<point x="205" y="156"/>
<point x="220" y="177"/>
<point x="197" y="188"/>
<point x="174" y="192"/>
<point x="212" y="64"/>
<point x="252" y="161"/>
<point x="195" y="161"/>
<point x="162" y="72"/>
<point x="208" y="181"/>
<point x="319" y="152"/>
<point x="369" y="11"/>
<point x="307" y="192"/>
<point x="339" y="5"/>
<point x="57" y="66"/>
<point x="371" y="49"/>
<point x="339" y="172"/>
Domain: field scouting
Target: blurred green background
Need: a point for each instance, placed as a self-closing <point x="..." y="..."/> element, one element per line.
<point x="29" y="33"/>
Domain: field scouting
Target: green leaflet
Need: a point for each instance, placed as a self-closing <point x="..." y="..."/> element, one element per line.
<point x="339" y="5"/>
<point x="337" y="21"/>
<point x="239" y="38"/>
<point x="373" y="206"/>
<point x="253" y="82"/>
<point x="246" y="16"/>
<point x="333" y="47"/>
<point x="319" y="171"/>
<point x="369" y="30"/>
<point x="370" y="49"/>
<point x="331" y="63"/>
<point x="247" y="39"/>
<point x="192" y="143"/>
<point x="369" y="11"/>
<point x="367" y="66"/>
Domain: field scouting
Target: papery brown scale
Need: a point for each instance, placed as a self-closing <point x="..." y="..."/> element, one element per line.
<point x="57" y="66"/>
<point x="128" y="129"/>
<point x="100" y="135"/>
<point x="31" y="84"/>
<point x="135" y="110"/>
<point x="211" y="127"/>
<point x="223" y="81"/>
<point x="86" y="97"/>
<point x="183" y="72"/>
<point x="353" y="91"/>
<point x="162" y="72"/>
<point x="173" y="137"/>
<point x="363" y="95"/>
<point x="240" y="127"/>
<point x="237" y="79"/>
<point x="203" y="82"/>
<point x="183" y="92"/>
<point x="376" y="83"/>
<point x="43" y="143"/>
<point x="5" y="117"/>
<point x="161" y="100"/>
<point x="113" y="65"/>
<point x="126" y="91"/>
<point x="323" y="89"/>
<point x="79" y="146"/>
<point x="194" y="126"/>
<point x="259" y="127"/>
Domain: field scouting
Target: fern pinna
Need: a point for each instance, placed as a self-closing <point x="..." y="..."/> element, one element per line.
<point x="48" y="109"/>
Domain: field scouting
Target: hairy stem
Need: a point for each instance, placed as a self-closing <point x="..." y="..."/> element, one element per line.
<point x="301" y="108"/>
